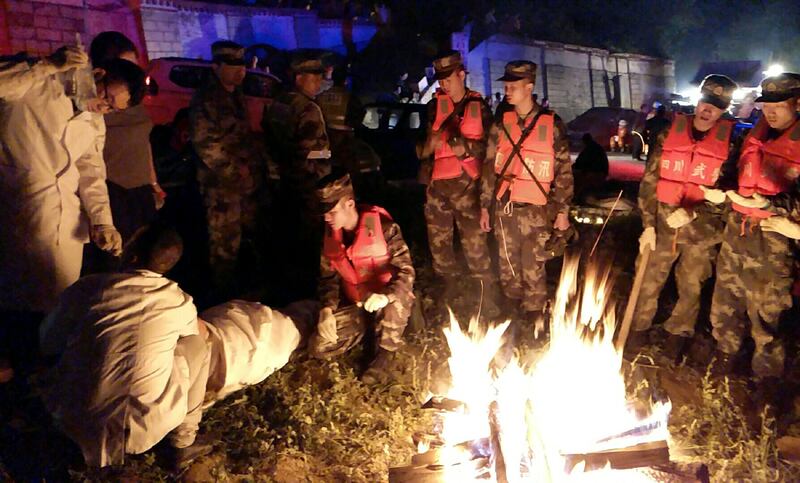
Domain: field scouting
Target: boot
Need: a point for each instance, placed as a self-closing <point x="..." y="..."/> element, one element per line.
<point x="722" y="364"/>
<point x="490" y="310"/>
<point x="637" y="339"/>
<point x="452" y="291"/>
<point x="182" y="458"/>
<point x="767" y="396"/>
<point x="378" y="370"/>
<point x="674" y="347"/>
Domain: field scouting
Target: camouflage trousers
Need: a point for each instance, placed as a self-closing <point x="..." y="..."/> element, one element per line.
<point x="694" y="266"/>
<point x="386" y="326"/>
<point x="522" y="231"/>
<point x="456" y="200"/>
<point x="753" y="290"/>
<point x="226" y="213"/>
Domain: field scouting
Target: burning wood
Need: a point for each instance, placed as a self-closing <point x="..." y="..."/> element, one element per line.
<point x="564" y="416"/>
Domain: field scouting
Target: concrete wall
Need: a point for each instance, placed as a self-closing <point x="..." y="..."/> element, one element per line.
<point x="187" y="29"/>
<point x="574" y="78"/>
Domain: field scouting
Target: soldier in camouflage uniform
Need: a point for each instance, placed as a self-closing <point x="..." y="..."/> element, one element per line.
<point x="229" y="173"/>
<point x="458" y="123"/>
<point x="682" y="212"/>
<point x="754" y="267"/>
<point x="530" y="201"/>
<point x="295" y="134"/>
<point x="365" y="261"/>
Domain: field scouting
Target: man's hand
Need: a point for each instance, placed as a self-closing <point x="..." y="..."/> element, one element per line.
<point x="713" y="195"/>
<point x="107" y="238"/>
<point x="66" y="58"/>
<point x="782" y="225"/>
<point x="679" y="218"/>
<point x="562" y="222"/>
<point x="484" y="221"/>
<point x="159" y="196"/>
<point x="647" y="240"/>
<point x="327" y="325"/>
<point x="375" y="302"/>
<point x="755" y="201"/>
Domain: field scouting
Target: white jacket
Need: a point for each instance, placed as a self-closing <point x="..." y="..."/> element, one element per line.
<point x="51" y="171"/>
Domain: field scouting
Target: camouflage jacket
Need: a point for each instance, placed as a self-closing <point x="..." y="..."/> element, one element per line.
<point x="294" y="130"/>
<point x="476" y="148"/>
<point x="562" y="187"/>
<point x="400" y="288"/>
<point x="221" y="135"/>
<point x="707" y="227"/>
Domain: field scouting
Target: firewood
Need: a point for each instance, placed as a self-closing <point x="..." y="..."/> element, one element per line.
<point x="638" y="456"/>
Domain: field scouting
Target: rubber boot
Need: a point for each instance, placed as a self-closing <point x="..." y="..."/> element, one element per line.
<point x="674" y="347"/>
<point x="722" y="365"/>
<point x="767" y="396"/>
<point x="378" y="370"/>
<point x="636" y="341"/>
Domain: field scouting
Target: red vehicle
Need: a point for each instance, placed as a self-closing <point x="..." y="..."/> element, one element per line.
<point x="172" y="81"/>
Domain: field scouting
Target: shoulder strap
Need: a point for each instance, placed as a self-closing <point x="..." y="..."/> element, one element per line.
<point x="515" y="152"/>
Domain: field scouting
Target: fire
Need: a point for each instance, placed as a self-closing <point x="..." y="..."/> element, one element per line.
<point x="570" y="401"/>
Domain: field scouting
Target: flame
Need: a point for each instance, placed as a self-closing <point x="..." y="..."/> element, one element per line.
<point x="570" y="401"/>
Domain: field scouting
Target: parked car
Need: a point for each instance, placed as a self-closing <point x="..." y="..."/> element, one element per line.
<point x="171" y="82"/>
<point x="392" y="130"/>
<point x="601" y="123"/>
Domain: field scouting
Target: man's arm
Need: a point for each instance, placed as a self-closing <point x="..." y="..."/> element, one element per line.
<point x="402" y="284"/>
<point x="328" y="287"/>
<point x="476" y="148"/>
<point x="648" y="202"/>
<point x="489" y="177"/>
<point x="17" y="78"/>
<point x="92" y="186"/>
<point x="563" y="181"/>
<point x="425" y="146"/>
<point x="313" y="147"/>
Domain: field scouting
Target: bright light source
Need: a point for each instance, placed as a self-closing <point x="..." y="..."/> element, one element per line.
<point x="739" y="94"/>
<point x="774" y="69"/>
<point x="693" y="93"/>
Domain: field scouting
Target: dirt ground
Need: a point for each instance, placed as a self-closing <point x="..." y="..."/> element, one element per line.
<point x="315" y="421"/>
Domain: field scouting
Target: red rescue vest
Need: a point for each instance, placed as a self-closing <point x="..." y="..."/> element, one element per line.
<point x="538" y="153"/>
<point x="768" y="167"/>
<point x="446" y="165"/>
<point x="364" y="266"/>
<point x="687" y="164"/>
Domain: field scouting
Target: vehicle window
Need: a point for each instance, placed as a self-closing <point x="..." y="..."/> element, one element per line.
<point x="257" y="85"/>
<point x="189" y="76"/>
<point x="394" y="118"/>
<point x="371" y="118"/>
<point x="414" y="120"/>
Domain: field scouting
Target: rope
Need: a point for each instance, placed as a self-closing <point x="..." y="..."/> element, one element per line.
<point x="507" y="209"/>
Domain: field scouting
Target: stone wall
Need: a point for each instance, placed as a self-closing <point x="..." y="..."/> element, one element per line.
<point x="574" y="78"/>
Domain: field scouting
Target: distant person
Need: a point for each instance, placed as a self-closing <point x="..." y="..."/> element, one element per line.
<point x="621" y="140"/>
<point x="655" y="125"/>
<point x="638" y="141"/>
<point x="591" y="168"/>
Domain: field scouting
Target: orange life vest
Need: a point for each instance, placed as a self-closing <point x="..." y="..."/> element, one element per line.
<point x="768" y="167"/>
<point x="538" y="153"/>
<point x="364" y="266"/>
<point x="687" y="164"/>
<point x="446" y="165"/>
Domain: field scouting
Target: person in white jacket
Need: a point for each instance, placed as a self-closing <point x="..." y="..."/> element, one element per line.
<point x="52" y="175"/>
<point x="133" y="361"/>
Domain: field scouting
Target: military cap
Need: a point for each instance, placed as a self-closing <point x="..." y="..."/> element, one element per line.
<point x="227" y="52"/>
<point x="447" y="63"/>
<point x="779" y="87"/>
<point x="307" y="66"/>
<point x="333" y="188"/>
<point x="717" y="90"/>
<point x="519" y="70"/>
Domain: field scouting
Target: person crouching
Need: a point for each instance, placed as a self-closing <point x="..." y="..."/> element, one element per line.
<point x="365" y="263"/>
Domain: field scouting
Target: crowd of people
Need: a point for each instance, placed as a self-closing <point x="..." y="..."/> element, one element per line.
<point x="134" y="363"/>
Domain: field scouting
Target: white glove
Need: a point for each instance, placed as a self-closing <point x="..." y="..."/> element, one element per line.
<point x="755" y="201"/>
<point x="327" y="325"/>
<point x="713" y="195"/>
<point x="782" y="225"/>
<point x="107" y="238"/>
<point x="679" y="218"/>
<point x="375" y="302"/>
<point x="648" y="239"/>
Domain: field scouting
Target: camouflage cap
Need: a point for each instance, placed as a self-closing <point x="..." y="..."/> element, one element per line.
<point x="227" y="52"/>
<point x="717" y="90"/>
<point x="519" y="70"/>
<point x="779" y="87"/>
<point x="307" y="66"/>
<point x="445" y="64"/>
<point x="331" y="189"/>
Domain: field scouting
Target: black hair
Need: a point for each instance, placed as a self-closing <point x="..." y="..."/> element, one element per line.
<point x="156" y="247"/>
<point x="110" y="45"/>
<point x="125" y="72"/>
<point x="181" y="115"/>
